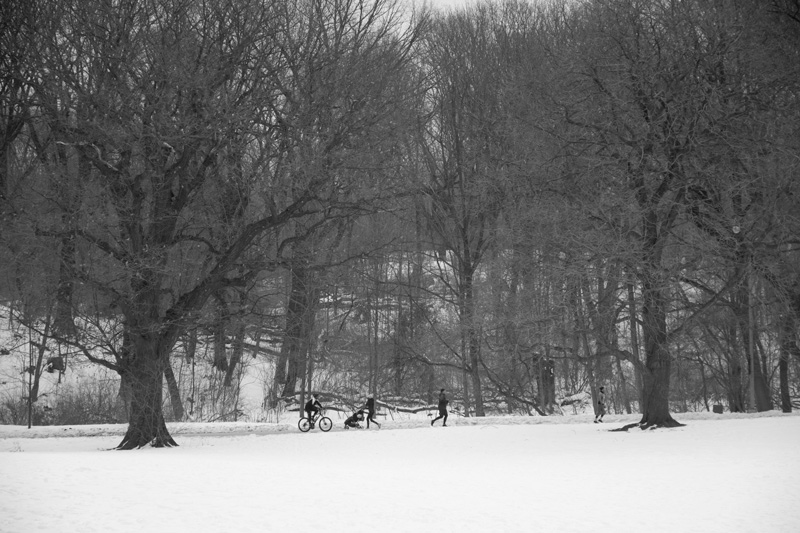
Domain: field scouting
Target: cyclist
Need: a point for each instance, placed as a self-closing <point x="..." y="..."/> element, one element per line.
<point x="312" y="408"/>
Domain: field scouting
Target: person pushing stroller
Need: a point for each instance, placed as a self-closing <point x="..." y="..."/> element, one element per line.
<point x="353" y="420"/>
<point x="370" y="407"/>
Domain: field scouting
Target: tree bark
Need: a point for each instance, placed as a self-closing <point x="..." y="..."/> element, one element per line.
<point x="238" y="338"/>
<point x="144" y="373"/>
<point x="624" y="386"/>
<point x="787" y="346"/>
<point x="634" y="326"/>
<point x="174" y="393"/>
<point x="656" y="377"/>
<point x="747" y="326"/>
<point x="64" y="323"/>
<point x="735" y="389"/>
<point x="473" y="341"/>
<point x="220" y="355"/>
<point x="303" y="301"/>
<point x="236" y="353"/>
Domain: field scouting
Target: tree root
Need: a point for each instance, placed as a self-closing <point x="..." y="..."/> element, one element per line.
<point x="134" y="444"/>
<point x="136" y="438"/>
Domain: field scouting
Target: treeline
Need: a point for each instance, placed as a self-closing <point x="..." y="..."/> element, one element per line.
<point x="516" y="201"/>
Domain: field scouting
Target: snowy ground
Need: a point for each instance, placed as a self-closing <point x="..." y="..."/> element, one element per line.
<point x="719" y="473"/>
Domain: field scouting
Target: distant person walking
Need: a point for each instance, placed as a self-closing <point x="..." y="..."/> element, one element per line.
<point x="443" y="401"/>
<point x="370" y="407"/>
<point x="601" y="405"/>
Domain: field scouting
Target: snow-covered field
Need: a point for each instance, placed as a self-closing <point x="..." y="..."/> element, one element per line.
<point x="719" y="473"/>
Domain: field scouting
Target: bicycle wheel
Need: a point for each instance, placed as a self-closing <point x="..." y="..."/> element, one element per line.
<point x="325" y="423"/>
<point x="303" y="424"/>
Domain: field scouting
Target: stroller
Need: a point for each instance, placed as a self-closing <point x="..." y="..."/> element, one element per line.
<point x="354" y="419"/>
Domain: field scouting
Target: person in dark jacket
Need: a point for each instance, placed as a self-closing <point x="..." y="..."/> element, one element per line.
<point x="601" y="405"/>
<point x="353" y="420"/>
<point x="443" y="401"/>
<point x="370" y="407"/>
<point x="312" y="407"/>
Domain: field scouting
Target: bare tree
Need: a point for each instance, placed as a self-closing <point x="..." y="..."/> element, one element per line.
<point x="341" y="110"/>
<point x="157" y="103"/>
<point x="465" y="188"/>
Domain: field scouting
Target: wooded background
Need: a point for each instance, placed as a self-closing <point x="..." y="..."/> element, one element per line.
<point x="518" y="202"/>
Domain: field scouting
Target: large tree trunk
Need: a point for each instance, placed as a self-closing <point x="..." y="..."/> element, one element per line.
<point x="744" y="313"/>
<point x="762" y="393"/>
<point x="287" y="372"/>
<point x="303" y="302"/>
<point x="734" y="385"/>
<point x="145" y="373"/>
<point x="656" y="378"/>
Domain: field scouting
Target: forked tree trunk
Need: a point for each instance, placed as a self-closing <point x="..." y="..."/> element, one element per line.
<point x="145" y="375"/>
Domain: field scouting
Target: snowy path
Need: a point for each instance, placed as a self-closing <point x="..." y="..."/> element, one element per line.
<point x="722" y="475"/>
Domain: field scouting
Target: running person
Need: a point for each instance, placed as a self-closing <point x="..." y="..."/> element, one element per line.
<point x="370" y="407"/>
<point x="443" y="401"/>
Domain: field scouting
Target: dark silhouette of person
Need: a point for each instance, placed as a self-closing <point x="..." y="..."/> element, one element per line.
<point x="312" y="407"/>
<point x="601" y="405"/>
<point x="443" y="401"/>
<point x="354" y="419"/>
<point x="370" y="407"/>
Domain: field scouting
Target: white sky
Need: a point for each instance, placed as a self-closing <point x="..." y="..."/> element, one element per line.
<point x="444" y="3"/>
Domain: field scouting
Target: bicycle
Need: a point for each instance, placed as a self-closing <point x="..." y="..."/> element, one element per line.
<point x="324" y="423"/>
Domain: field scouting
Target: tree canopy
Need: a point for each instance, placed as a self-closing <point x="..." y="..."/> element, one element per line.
<point x="522" y="201"/>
